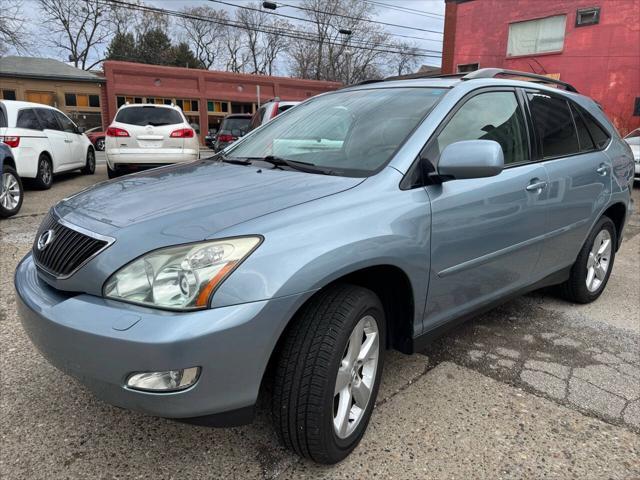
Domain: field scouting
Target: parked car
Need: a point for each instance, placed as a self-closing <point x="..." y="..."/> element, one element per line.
<point x="146" y="136"/>
<point x="44" y="141"/>
<point x="269" y="111"/>
<point x="370" y="218"/>
<point x="633" y="139"/>
<point x="96" y="135"/>
<point x="232" y="128"/>
<point x="11" y="191"/>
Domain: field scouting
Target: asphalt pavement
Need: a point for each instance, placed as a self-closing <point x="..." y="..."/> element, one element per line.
<point x="537" y="388"/>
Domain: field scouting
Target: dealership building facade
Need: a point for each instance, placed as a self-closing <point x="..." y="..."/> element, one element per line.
<point x="205" y="96"/>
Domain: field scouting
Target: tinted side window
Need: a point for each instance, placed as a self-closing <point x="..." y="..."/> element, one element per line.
<point x="3" y="118"/>
<point x="48" y="119"/>
<point x="27" y="119"/>
<point x="599" y="134"/>
<point x="584" y="137"/>
<point x="554" y="125"/>
<point x="67" y="125"/>
<point x="487" y="116"/>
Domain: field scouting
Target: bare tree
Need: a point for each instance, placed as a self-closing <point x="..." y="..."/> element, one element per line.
<point x="273" y="45"/>
<point x="137" y="22"/>
<point x="205" y="37"/>
<point x="250" y="21"/>
<point x="235" y="53"/>
<point x="79" y="28"/>
<point x="12" y="29"/>
<point x="406" y="61"/>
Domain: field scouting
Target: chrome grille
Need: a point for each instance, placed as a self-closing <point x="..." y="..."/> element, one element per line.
<point x="67" y="251"/>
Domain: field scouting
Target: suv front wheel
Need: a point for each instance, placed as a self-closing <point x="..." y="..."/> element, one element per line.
<point x="328" y="373"/>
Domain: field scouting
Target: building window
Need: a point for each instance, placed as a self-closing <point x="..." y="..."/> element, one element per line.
<point x="636" y="107"/>
<point x="217" y="107"/>
<point x="81" y="100"/>
<point x="468" y="67"/>
<point x="94" y="101"/>
<point x="536" y="36"/>
<point x="70" y="99"/>
<point x="187" y="105"/>
<point x="587" y="16"/>
<point x="241" y="107"/>
<point x="47" y="98"/>
<point x="9" y="94"/>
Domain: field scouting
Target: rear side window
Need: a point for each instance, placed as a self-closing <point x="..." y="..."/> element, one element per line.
<point x="284" y="108"/>
<point x="256" y="121"/>
<point x="48" y="119"/>
<point x="3" y="118"/>
<point x="598" y="134"/>
<point x="143" y="116"/>
<point x="554" y="125"/>
<point x="27" y="119"/>
<point x="584" y="137"/>
<point x="487" y="116"/>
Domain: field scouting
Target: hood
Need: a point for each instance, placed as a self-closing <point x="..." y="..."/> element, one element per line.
<point x="195" y="200"/>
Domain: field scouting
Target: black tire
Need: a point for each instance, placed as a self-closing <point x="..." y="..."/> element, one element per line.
<point x="9" y="173"/>
<point x="44" y="177"/>
<point x="100" y="144"/>
<point x="112" y="173"/>
<point x="307" y="368"/>
<point x="575" y="288"/>
<point x="90" y="163"/>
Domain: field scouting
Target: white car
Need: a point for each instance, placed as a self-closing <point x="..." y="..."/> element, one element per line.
<point x="633" y="139"/>
<point x="268" y="111"/>
<point x="146" y="135"/>
<point x="44" y="141"/>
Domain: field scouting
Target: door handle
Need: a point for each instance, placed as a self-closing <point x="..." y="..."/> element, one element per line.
<point x="602" y="169"/>
<point x="536" y="186"/>
<point x="67" y="141"/>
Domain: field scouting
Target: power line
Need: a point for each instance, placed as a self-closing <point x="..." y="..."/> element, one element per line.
<point x="368" y="21"/>
<point x="412" y="11"/>
<point x="351" y="40"/>
<point x="299" y="35"/>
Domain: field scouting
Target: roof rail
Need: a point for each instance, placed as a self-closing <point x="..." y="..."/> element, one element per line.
<point x="494" y="72"/>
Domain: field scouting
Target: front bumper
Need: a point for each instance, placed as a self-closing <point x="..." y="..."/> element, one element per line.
<point x="100" y="342"/>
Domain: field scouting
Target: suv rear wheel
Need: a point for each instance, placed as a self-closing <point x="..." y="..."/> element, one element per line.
<point x="328" y="373"/>
<point x="591" y="270"/>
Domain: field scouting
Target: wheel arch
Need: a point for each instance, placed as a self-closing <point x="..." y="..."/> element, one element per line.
<point x="617" y="212"/>
<point x="391" y="284"/>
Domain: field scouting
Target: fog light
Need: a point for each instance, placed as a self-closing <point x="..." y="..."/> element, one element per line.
<point x="169" y="381"/>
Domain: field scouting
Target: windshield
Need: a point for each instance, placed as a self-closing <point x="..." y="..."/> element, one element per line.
<point x="353" y="133"/>
<point x="148" y="115"/>
<point x="230" y="124"/>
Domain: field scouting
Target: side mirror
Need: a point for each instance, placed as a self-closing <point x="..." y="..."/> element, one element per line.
<point x="471" y="159"/>
<point x="81" y="130"/>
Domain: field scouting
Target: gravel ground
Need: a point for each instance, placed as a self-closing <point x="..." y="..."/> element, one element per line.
<point x="534" y="389"/>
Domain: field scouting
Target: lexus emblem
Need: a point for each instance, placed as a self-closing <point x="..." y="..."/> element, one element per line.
<point x="45" y="239"/>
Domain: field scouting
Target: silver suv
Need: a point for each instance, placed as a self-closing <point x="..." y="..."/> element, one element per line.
<point x="366" y="219"/>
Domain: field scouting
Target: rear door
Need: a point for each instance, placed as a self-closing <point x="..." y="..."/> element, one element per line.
<point x="59" y="143"/>
<point x="150" y="128"/>
<point x="579" y="174"/>
<point x="77" y="145"/>
<point x="486" y="233"/>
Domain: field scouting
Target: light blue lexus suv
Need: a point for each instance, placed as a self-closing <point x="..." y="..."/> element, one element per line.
<point x="362" y="220"/>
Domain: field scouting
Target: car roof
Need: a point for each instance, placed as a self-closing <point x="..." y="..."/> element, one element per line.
<point x="159" y="105"/>
<point x="19" y="104"/>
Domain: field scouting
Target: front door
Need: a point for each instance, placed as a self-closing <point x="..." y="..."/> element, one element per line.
<point x="570" y="143"/>
<point x="486" y="233"/>
<point x="76" y="145"/>
<point x="59" y="143"/>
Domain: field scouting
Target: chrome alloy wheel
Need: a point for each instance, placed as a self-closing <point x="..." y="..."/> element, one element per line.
<point x="46" y="173"/>
<point x="9" y="191"/>
<point x="599" y="260"/>
<point x="356" y="375"/>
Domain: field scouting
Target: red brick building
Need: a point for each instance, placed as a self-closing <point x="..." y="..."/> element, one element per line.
<point x="592" y="44"/>
<point x="205" y="96"/>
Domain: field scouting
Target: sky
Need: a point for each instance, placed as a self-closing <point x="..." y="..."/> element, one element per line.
<point x="384" y="13"/>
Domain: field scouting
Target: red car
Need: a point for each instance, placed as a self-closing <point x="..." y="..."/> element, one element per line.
<point x="96" y="135"/>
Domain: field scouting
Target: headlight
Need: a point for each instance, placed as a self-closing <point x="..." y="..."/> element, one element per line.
<point x="179" y="278"/>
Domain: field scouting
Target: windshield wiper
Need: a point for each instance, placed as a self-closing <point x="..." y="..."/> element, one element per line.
<point x="219" y="157"/>
<point x="295" y="164"/>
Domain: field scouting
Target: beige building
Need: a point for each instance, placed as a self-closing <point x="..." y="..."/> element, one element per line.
<point x="76" y="92"/>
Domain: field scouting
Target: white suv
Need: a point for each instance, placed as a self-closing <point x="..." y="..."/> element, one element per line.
<point x="44" y="141"/>
<point x="146" y="135"/>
